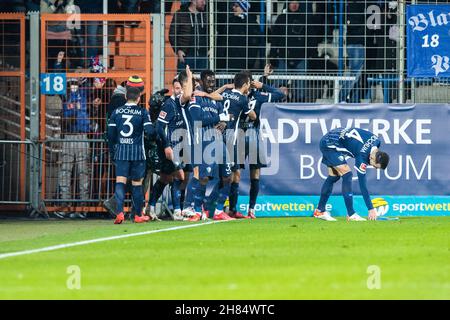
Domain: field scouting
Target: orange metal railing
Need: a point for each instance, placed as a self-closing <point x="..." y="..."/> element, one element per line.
<point x="126" y="40"/>
<point x="12" y="94"/>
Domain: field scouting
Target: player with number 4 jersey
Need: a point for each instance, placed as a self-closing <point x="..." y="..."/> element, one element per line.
<point x="337" y="146"/>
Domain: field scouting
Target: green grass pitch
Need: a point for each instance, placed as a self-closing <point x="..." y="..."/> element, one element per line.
<point x="279" y="258"/>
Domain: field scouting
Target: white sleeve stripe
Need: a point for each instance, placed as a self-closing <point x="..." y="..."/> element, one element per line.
<point x="147" y="123"/>
<point x="360" y="171"/>
<point x="194" y="106"/>
<point x="112" y="125"/>
<point x="159" y="119"/>
<point x="248" y="111"/>
<point x="270" y="97"/>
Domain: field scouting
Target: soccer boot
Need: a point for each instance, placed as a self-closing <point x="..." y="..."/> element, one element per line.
<point x="355" y="217"/>
<point x="238" y="215"/>
<point x="323" y="215"/>
<point x="188" y="212"/>
<point x="196" y="217"/>
<point x="141" y="219"/>
<point x="220" y="215"/>
<point x="251" y="214"/>
<point x="177" y="216"/>
<point x="119" y="218"/>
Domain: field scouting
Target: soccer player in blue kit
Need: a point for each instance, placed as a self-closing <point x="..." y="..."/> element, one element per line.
<point x="126" y="143"/>
<point x="337" y="146"/>
<point x="172" y="145"/>
<point x="206" y="114"/>
<point x="259" y="94"/>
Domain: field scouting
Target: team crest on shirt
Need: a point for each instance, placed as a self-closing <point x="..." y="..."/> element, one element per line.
<point x="363" y="167"/>
<point x="341" y="158"/>
<point x="162" y="114"/>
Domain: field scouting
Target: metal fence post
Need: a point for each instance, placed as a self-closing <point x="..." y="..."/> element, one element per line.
<point x="212" y="34"/>
<point x="158" y="48"/>
<point x="34" y="162"/>
<point x="401" y="68"/>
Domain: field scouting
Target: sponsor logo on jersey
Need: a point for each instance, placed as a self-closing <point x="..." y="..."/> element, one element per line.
<point x="363" y="167"/>
<point x="162" y="114"/>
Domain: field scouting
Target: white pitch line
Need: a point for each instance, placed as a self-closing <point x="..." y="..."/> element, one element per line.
<point x="82" y="243"/>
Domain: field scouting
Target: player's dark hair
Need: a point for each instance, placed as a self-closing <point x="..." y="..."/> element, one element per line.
<point x="133" y="93"/>
<point x="205" y="74"/>
<point x="175" y="81"/>
<point x="382" y="158"/>
<point x="182" y="77"/>
<point x="249" y="73"/>
<point x="240" y="79"/>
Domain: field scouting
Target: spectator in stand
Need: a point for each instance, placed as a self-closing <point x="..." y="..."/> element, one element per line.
<point x="13" y="6"/>
<point x="188" y="36"/>
<point x="75" y="150"/>
<point x="356" y="24"/>
<point x="238" y="38"/>
<point x="130" y="6"/>
<point x="33" y="5"/>
<point x="99" y="98"/>
<point x="288" y="45"/>
<point x="59" y="36"/>
<point x="91" y="38"/>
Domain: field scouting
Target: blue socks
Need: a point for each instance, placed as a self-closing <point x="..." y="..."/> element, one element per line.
<point x="347" y="192"/>
<point x="190" y="191"/>
<point x="327" y="189"/>
<point x="157" y="191"/>
<point x="137" y="193"/>
<point x="233" y="196"/>
<point x="214" y="195"/>
<point x="223" y="195"/>
<point x="119" y="194"/>
<point x="199" y="195"/>
<point x="254" y="190"/>
<point x="176" y="194"/>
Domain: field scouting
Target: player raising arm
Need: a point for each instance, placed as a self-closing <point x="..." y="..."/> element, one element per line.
<point x="338" y="145"/>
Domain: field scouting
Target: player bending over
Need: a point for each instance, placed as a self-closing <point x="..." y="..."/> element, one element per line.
<point x="126" y="143"/>
<point x="338" y="145"/>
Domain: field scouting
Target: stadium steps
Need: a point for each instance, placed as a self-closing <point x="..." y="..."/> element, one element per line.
<point x="127" y="51"/>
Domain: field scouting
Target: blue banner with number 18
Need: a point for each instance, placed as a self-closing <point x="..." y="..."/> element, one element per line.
<point x="53" y="83"/>
<point x="428" y="35"/>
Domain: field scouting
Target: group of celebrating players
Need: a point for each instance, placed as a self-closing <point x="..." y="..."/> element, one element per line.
<point x="211" y="134"/>
<point x="201" y="130"/>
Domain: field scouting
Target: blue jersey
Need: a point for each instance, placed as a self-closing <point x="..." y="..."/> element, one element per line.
<point x="257" y="98"/>
<point x="354" y="142"/>
<point x="235" y="104"/>
<point x="126" y="130"/>
<point x="204" y="115"/>
<point x="173" y="116"/>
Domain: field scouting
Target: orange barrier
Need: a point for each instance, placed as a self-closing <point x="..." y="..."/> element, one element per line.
<point x="127" y="42"/>
<point x="12" y="91"/>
